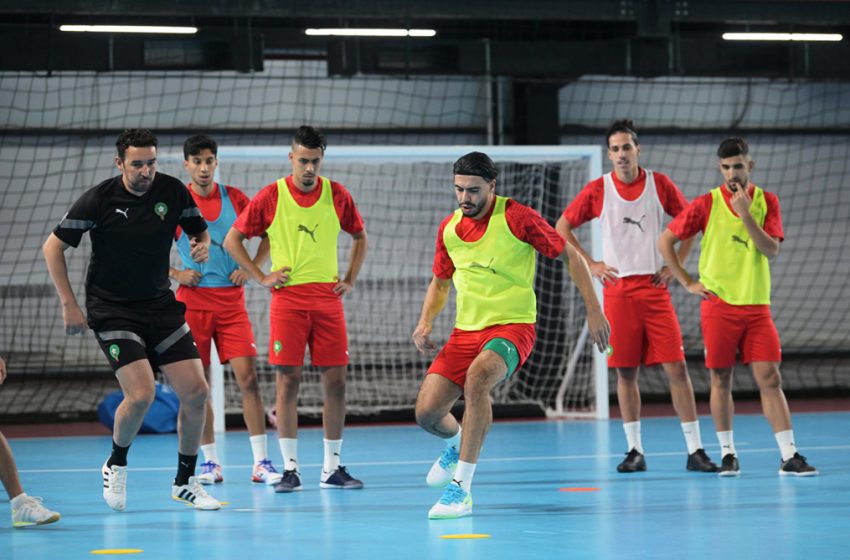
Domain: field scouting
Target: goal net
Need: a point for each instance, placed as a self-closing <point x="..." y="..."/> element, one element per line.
<point x="403" y="193"/>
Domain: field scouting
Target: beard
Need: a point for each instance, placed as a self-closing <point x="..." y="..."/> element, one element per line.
<point x="471" y="210"/>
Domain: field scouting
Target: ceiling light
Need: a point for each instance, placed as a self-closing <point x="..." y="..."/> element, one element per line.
<point x="128" y="29"/>
<point x="782" y="36"/>
<point x="364" y="32"/>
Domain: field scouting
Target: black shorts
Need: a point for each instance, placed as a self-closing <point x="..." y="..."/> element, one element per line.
<point x="154" y="330"/>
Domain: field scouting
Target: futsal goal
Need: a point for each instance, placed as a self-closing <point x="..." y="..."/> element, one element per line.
<point x="403" y="193"/>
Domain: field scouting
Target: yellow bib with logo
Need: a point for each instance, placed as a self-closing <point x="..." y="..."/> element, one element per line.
<point x="730" y="265"/>
<point x="305" y="239"/>
<point x="494" y="276"/>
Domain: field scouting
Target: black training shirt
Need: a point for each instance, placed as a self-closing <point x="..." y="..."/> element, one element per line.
<point x="131" y="236"/>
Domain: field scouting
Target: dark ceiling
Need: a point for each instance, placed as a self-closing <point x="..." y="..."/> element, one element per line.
<point x="531" y="40"/>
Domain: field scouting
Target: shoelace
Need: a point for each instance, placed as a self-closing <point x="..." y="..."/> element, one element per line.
<point x="267" y="464"/>
<point x="31" y="505"/>
<point x="117" y="480"/>
<point x="198" y="490"/>
<point x="209" y="466"/>
<point x="453" y="494"/>
<point x="449" y="456"/>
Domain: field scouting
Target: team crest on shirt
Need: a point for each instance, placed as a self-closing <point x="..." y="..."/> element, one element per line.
<point x="277" y="347"/>
<point x="160" y="209"/>
<point x="114" y="351"/>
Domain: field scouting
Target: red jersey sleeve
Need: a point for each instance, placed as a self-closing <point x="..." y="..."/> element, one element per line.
<point x="238" y="198"/>
<point x="773" y="219"/>
<point x="671" y="197"/>
<point x="587" y="205"/>
<point x="350" y="219"/>
<point x="693" y="218"/>
<point x="443" y="266"/>
<point x="529" y="226"/>
<point x="256" y="218"/>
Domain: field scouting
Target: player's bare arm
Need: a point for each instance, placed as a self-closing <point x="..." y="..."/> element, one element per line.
<point x="579" y="271"/>
<point x="664" y="276"/>
<point x="359" y="248"/>
<point x="200" y="245"/>
<point x="234" y="244"/>
<point x="54" y="255"/>
<point x="185" y="277"/>
<point x="667" y="247"/>
<point x="435" y="300"/>
<point x="598" y="269"/>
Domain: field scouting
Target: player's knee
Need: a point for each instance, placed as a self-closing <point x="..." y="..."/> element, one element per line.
<point x="426" y="416"/>
<point x="139" y="401"/>
<point x="676" y="372"/>
<point x="769" y="379"/>
<point x="721" y="378"/>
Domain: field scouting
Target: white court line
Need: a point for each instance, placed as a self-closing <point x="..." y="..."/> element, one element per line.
<point x="539" y="458"/>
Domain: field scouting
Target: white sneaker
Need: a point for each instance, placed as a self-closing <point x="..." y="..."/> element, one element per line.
<point x="210" y="473"/>
<point x="193" y="493"/>
<point x="265" y="473"/>
<point x="31" y="512"/>
<point x="443" y="469"/>
<point x="455" y="502"/>
<point x="115" y="486"/>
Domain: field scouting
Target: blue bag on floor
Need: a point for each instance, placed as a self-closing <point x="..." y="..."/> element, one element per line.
<point x="161" y="417"/>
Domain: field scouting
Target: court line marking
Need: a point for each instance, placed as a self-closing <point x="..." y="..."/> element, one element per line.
<point x="740" y="451"/>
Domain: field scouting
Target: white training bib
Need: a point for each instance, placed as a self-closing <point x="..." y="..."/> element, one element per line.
<point x="630" y="229"/>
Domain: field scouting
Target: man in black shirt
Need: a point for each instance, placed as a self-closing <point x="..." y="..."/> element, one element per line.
<point x="131" y="220"/>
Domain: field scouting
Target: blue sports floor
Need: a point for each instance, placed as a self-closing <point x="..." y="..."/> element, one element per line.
<point x="543" y="489"/>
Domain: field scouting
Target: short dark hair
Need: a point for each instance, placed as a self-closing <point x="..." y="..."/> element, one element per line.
<point x="309" y="137"/>
<point x="477" y="164"/>
<point x="137" y="137"/>
<point x="196" y="144"/>
<point x="622" y="125"/>
<point x="732" y="147"/>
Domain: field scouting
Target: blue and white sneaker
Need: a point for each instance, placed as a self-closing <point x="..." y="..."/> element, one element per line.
<point x="339" y="479"/>
<point x="443" y="469"/>
<point x="455" y="502"/>
<point x="210" y="473"/>
<point x="265" y="473"/>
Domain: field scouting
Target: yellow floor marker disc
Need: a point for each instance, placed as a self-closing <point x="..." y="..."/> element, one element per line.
<point x="118" y="551"/>
<point x="465" y="536"/>
<point x="579" y="489"/>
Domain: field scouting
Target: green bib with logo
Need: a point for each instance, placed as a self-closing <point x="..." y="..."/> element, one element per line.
<point x="305" y="239"/>
<point x="730" y="265"/>
<point x="494" y="276"/>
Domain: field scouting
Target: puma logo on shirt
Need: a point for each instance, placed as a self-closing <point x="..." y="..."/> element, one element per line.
<point x="637" y="223"/>
<point x="308" y="231"/>
<point x="743" y="242"/>
<point x="474" y="264"/>
<point x="123" y="212"/>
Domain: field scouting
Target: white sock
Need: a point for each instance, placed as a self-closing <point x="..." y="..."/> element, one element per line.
<point x="210" y="453"/>
<point x="786" y="444"/>
<point x="289" y="452"/>
<point x="632" y="430"/>
<point x="259" y="447"/>
<point x="454" y="441"/>
<point x="464" y="473"/>
<point x="332" y="450"/>
<point x="727" y="445"/>
<point x="18" y="500"/>
<point x="692" y="436"/>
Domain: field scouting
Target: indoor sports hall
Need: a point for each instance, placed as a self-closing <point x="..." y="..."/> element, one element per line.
<point x="401" y="90"/>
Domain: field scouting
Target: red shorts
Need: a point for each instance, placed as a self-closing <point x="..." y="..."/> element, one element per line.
<point x="748" y="329"/>
<point x="464" y="346"/>
<point x="322" y="328"/>
<point x="644" y="327"/>
<point x="231" y="330"/>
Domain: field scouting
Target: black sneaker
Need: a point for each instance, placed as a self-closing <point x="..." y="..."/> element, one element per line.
<point x="797" y="466"/>
<point x="634" y="462"/>
<point x="729" y="466"/>
<point x="291" y="482"/>
<point x="340" y="479"/>
<point x="699" y="461"/>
